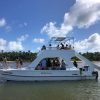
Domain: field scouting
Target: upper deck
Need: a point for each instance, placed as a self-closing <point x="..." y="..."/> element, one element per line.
<point x="58" y="47"/>
<point x="59" y="43"/>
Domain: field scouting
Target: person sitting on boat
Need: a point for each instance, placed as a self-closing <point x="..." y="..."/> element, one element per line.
<point x="63" y="65"/>
<point x="62" y="46"/>
<point x="57" y="63"/>
<point x="54" y="64"/>
<point x="38" y="67"/>
<point x="49" y="63"/>
<point x="43" y="47"/>
<point x="43" y="64"/>
<point x="66" y="47"/>
<point x="70" y="46"/>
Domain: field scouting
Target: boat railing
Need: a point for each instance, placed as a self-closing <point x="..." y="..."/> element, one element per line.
<point x="51" y="48"/>
<point x="58" y="48"/>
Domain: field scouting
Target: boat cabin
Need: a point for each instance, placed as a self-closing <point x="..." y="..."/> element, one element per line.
<point x="56" y="55"/>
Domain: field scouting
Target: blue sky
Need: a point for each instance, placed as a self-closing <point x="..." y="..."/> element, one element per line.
<point x="28" y="24"/>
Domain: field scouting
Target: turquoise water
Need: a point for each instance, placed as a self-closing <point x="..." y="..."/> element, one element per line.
<point x="65" y="90"/>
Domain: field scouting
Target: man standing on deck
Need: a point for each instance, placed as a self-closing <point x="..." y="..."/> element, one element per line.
<point x="5" y="62"/>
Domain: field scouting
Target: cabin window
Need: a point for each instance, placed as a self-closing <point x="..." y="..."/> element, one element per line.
<point x="51" y="64"/>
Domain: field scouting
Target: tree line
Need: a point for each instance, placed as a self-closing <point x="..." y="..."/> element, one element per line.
<point x="92" y="56"/>
<point x="89" y="55"/>
<point x="12" y="56"/>
<point x="30" y="56"/>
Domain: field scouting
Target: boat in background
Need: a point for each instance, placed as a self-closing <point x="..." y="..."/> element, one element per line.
<point x="54" y="63"/>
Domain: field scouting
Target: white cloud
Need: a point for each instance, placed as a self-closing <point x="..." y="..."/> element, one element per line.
<point x="82" y="14"/>
<point x="8" y="28"/>
<point x="23" y="25"/>
<point x="91" y="44"/>
<point x="15" y="45"/>
<point x="23" y="38"/>
<point x="2" y="41"/>
<point x="38" y="48"/>
<point x="2" y="22"/>
<point x="2" y="44"/>
<point x="53" y="31"/>
<point x="38" y="40"/>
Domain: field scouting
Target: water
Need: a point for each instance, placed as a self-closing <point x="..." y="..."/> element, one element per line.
<point x="65" y="90"/>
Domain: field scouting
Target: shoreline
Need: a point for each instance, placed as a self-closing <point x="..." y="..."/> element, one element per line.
<point x="14" y="61"/>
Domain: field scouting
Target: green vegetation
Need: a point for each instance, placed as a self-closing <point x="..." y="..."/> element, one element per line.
<point x="29" y="56"/>
<point x="12" y="56"/>
<point x="91" y="56"/>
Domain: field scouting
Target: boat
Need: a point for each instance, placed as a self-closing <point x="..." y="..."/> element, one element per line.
<point x="54" y="63"/>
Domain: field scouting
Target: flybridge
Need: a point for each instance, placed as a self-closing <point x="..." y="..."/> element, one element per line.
<point x="61" y="39"/>
<point x="67" y="42"/>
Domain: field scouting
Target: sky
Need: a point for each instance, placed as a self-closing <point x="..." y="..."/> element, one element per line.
<point x="29" y="24"/>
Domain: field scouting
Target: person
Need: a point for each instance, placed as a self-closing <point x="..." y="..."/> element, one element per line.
<point x="66" y="47"/>
<point x="58" y="46"/>
<point x="17" y="63"/>
<point x="50" y="46"/>
<point x="21" y="62"/>
<point x="48" y="63"/>
<point x="43" y="64"/>
<point x="62" y="46"/>
<point x="38" y="67"/>
<point x="54" y="64"/>
<point x="75" y="63"/>
<point x="63" y="65"/>
<point x="80" y="70"/>
<point x="5" y="62"/>
<point x="57" y="63"/>
<point x="43" y="47"/>
<point x="70" y="46"/>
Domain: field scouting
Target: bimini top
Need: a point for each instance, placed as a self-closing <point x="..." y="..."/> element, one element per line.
<point x="58" y="38"/>
<point x="61" y="38"/>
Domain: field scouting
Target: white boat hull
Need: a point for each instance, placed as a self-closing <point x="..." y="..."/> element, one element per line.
<point x="43" y="75"/>
<point x="17" y="78"/>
